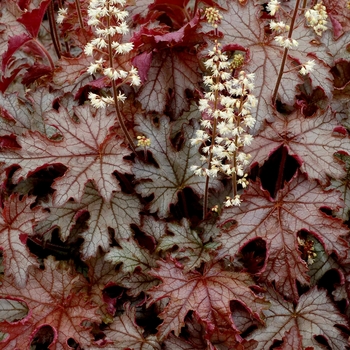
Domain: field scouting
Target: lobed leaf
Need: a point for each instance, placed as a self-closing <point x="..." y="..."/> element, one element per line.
<point x="312" y="141"/>
<point x="16" y="223"/>
<point x="50" y="302"/>
<point x="278" y="221"/>
<point x="208" y="294"/>
<point x="313" y="315"/>
<point x="87" y="150"/>
<point x="174" y="173"/>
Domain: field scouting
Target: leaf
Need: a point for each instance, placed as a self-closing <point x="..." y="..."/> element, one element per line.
<point x="208" y="294"/>
<point x="153" y="228"/>
<point x="343" y="186"/>
<point x="170" y="74"/>
<point x="136" y="283"/>
<point x="87" y="150"/>
<point x="278" y="221"/>
<point x="311" y="140"/>
<point x="199" y="336"/>
<point x="191" y="251"/>
<point x="126" y="334"/>
<point x="291" y="340"/>
<point x="17" y="117"/>
<point x="12" y="310"/>
<point x="70" y="73"/>
<point x="16" y="223"/>
<point x="50" y="301"/>
<point x="313" y="315"/>
<point x="41" y="101"/>
<point x="32" y="19"/>
<point x="174" y="173"/>
<point x="101" y="274"/>
<point x="10" y="27"/>
<point x="14" y="44"/>
<point x="12" y="122"/>
<point x="131" y="255"/>
<point x="119" y="213"/>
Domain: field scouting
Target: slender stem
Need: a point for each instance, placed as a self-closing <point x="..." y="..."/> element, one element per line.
<point x="213" y="136"/>
<point x="195" y="7"/>
<point x="53" y="30"/>
<point x="60" y="5"/>
<point x="45" y="52"/>
<point x="234" y="175"/>
<point x="206" y="188"/>
<point x="115" y="93"/>
<point x="285" y="53"/>
<point x="80" y="18"/>
<point x="120" y="118"/>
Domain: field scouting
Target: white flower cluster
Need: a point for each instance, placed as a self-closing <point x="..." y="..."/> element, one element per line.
<point x="226" y="109"/>
<point x="317" y="18"/>
<point x="108" y="19"/>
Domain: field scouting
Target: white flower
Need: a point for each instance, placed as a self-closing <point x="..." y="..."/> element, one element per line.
<point x="96" y="100"/>
<point x="122" y="48"/>
<point x="233" y="202"/>
<point x="278" y="26"/>
<point x="307" y="67"/>
<point x="273" y="7"/>
<point x="89" y="49"/>
<point x="62" y="13"/>
<point x="121" y="97"/>
<point x="287" y="43"/>
<point x="93" y="68"/>
<point x="134" y="77"/>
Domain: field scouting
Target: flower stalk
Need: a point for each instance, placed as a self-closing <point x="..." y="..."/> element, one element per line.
<point x="107" y="17"/>
<point x="226" y="110"/>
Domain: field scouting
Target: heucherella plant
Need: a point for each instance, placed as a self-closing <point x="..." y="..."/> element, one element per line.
<point x="205" y="208"/>
<point x="226" y="110"/>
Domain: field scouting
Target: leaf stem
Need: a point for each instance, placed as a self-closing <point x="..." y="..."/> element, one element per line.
<point x="285" y="53"/>
<point x="53" y="30"/>
<point x="45" y="52"/>
<point x="80" y="17"/>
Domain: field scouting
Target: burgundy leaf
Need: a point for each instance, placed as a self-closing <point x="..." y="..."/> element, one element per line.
<point x="208" y="294"/>
<point x="14" y="44"/>
<point x="126" y="334"/>
<point x="32" y="19"/>
<point x="174" y="173"/>
<point x="86" y="150"/>
<point x="278" y="221"/>
<point x="50" y="302"/>
<point x="119" y="213"/>
<point x="309" y="139"/>
<point x="16" y="223"/>
<point x="313" y="315"/>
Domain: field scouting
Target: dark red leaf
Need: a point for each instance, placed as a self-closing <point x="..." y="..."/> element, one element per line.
<point x="32" y="19"/>
<point x="14" y="44"/>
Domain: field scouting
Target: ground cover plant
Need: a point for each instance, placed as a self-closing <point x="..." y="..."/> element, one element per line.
<point x="174" y="174"/>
